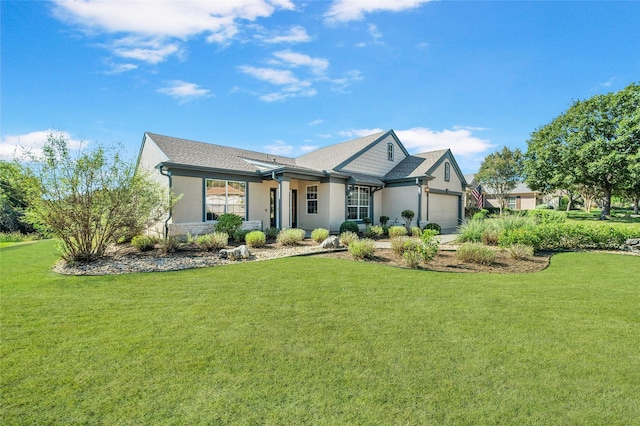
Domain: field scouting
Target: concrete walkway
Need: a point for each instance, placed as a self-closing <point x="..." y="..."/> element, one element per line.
<point x="445" y="239"/>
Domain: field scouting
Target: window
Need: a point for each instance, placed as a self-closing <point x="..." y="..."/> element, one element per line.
<point x="225" y="196"/>
<point x="312" y="199"/>
<point x="358" y="203"/>
<point x="390" y="151"/>
<point x="447" y="172"/>
<point x="511" y="203"/>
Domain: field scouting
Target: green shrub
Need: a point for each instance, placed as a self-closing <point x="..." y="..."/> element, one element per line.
<point x="290" y="236"/>
<point x="366" y="221"/>
<point x="18" y="237"/>
<point x="544" y="207"/>
<point x="375" y="232"/>
<point x="482" y="214"/>
<point x="347" y="238"/>
<point x="429" y="245"/>
<point x="170" y="245"/>
<point x="547" y="216"/>
<point x="471" y="231"/>
<point x="319" y="234"/>
<point x="271" y="232"/>
<point x="240" y="234"/>
<point x="403" y="243"/>
<point x="490" y="237"/>
<point x="144" y="242"/>
<point x="416" y="231"/>
<point x="228" y="223"/>
<point x="434" y="226"/>
<point x="412" y="259"/>
<point x="408" y="216"/>
<point x="397" y="231"/>
<point x="510" y="221"/>
<point x="349" y="225"/>
<point x="523" y="236"/>
<point x="362" y="249"/>
<point x="476" y="253"/>
<point x="519" y="251"/>
<point x="214" y="241"/>
<point x="384" y="220"/>
<point x="256" y="239"/>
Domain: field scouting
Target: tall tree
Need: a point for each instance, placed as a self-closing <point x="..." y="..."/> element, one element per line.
<point x="91" y="200"/>
<point x="593" y="144"/>
<point x="500" y="173"/>
<point x="14" y="183"/>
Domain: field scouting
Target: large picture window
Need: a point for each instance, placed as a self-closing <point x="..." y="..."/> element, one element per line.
<point x="225" y="196"/>
<point x="358" y="202"/>
<point x="312" y="199"/>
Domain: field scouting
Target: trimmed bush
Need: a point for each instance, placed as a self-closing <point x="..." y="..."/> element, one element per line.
<point x="349" y="225"/>
<point x="319" y="234"/>
<point x="362" y="249"/>
<point x="544" y="207"/>
<point x="240" y="234"/>
<point x="366" y="221"/>
<point x="408" y="216"/>
<point x="214" y="241"/>
<point x="412" y="259"/>
<point x="256" y="239"/>
<point x="144" y="242"/>
<point x="290" y="236"/>
<point x="476" y="253"/>
<point x="384" y="220"/>
<point x="271" y="232"/>
<point x="416" y="231"/>
<point x="228" y="223"/>
<point x="471" y="231"/>
<point x="374" y="232"/>
<point x="547" y="216"/>
<point x="397" y="231"/>
<point x="434" y="226"/>
<point x="519" y="251"/>
<point x="347" y="238"/>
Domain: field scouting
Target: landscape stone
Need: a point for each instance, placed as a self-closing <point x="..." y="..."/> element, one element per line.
<point x="241" y="252"/>
<point x="331" y="242"/>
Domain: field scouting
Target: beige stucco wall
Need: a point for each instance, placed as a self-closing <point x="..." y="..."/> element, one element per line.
<point x="150" y="157"/>
<point x="190" y="206"/>
<point x="336" y="206"/>
<point x="454" y="183"/>
<point x="398" y="198"/>
<point x="259" y="201"/>
<point x="374" y="161"/>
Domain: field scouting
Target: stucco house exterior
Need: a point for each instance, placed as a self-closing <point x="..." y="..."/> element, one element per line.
<point x="362" y="178"/>
<point x="521" y="197"/>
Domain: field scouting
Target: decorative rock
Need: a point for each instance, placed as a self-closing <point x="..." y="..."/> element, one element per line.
<point x="241" y="252"/>
<point x="331" y="242"/>
<point x="632" y="244"/>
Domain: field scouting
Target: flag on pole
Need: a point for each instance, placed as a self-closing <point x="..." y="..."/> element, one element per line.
<point x="477" y="194"/>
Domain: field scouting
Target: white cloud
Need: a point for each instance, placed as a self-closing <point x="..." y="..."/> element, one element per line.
<point x="316" y="122"/>
<point x="294" y="60"/>
<point x="271" y="75"/>
<point x="184" y="91"/>
<point x="279" y="148"/>
<point x="16" y="146"/>
<point x="120" y="68"/>
<point x="308" y="148"/>
<point x="353" y="10"/>
<point x="296" y="34"/>
<point x="165" y="24"/>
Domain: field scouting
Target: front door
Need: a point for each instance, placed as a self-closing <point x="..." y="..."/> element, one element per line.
<point x="294" y="208"/>
<point x="273" y="207"/>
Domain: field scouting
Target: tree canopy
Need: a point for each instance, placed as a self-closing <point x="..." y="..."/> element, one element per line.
<point x="594" y="144"/>
<point x="500" y="173"/>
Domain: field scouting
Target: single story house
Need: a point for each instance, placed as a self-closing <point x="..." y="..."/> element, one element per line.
<point x="521" y="197"/>
<point x="367" y="177"/>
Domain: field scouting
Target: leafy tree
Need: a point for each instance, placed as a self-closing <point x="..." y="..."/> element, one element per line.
<point x="500" y="173"/>
<point x="595" y="143"/>
<point x="14" y="183"/>
<point x="93" y="200"/>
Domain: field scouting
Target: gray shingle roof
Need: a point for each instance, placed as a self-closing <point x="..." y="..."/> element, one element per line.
<point x="200" y="154"/>
<point x="329" y="157"/>
<point x="416" y="165"/>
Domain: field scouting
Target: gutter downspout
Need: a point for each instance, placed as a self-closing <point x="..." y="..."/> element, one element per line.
<point x="419" y="201"/>
<point x="166" y="222"/>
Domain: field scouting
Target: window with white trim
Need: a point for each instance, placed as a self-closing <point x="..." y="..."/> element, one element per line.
<point x="358" y="202"/>
<point x="447" y="172"/>
<point x="312" y="199"/>
<point x="512" y="203"/>
<point x="390" y="151"/>
<point x="225" y="196"/>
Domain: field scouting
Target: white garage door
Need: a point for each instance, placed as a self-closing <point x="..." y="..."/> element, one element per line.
<point x="443" y="210"/>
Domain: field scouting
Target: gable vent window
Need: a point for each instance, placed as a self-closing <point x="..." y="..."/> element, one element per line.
<point x="447" y="172"/>
<point x="390" y="151"/>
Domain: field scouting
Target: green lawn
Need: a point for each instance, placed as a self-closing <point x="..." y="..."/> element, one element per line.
<point x="618" y="217"/>
<point x="320" y="341"/>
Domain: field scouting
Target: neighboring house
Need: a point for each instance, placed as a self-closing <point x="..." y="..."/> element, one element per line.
<point x="520" y="198"/>
<point x="362" y="178"/>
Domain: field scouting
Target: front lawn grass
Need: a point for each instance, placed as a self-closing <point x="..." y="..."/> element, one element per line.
<point x="320" y="341"/>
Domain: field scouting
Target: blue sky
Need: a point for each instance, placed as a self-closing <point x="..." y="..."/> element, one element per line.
<point x="287" y="76"/>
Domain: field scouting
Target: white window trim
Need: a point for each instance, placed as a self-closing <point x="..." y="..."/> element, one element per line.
<point x="359" y="206"/>
<point x="226" y="196"/>
<point x="312" y="199"/>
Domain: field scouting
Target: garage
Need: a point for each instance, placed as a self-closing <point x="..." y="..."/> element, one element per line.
<point x="443" y="210"/>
